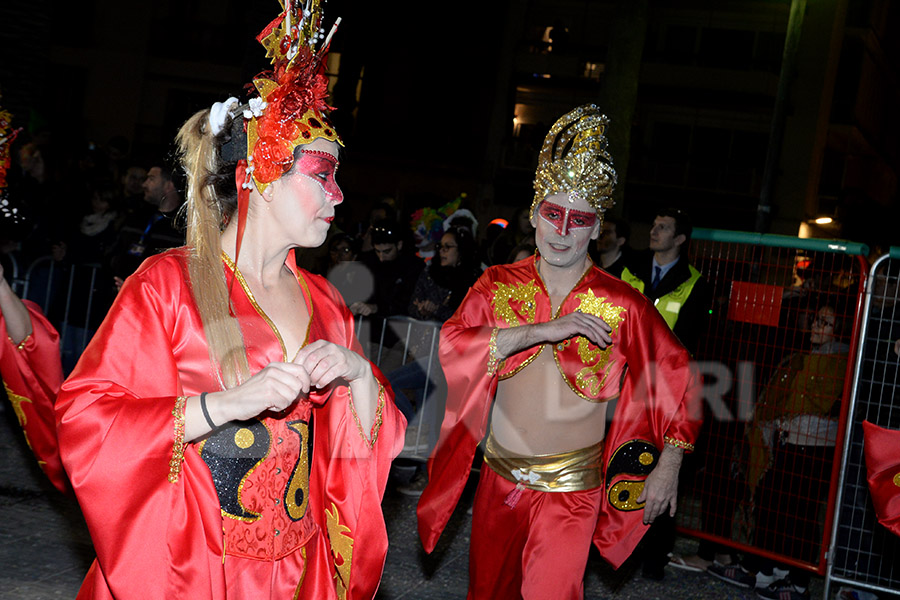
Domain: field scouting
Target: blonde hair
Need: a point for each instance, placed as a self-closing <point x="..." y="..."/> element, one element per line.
<point x="209" y="204"/>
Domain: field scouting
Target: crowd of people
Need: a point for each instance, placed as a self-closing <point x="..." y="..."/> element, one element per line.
<point x="224" y="407"/>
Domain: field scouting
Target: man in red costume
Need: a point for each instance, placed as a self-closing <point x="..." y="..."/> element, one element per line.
<point x="540" y="349"/>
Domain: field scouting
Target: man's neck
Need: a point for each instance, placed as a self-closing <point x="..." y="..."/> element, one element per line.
<point x="168" y="204"/>
<point x="666" y="256"/>
<point x="561" y="280"/>
<point x="608" y="258"/>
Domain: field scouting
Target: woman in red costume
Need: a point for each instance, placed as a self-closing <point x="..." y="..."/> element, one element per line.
<point x="223" y="433"/>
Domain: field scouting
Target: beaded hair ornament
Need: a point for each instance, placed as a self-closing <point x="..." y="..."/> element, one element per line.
<point x="574" y="160"/>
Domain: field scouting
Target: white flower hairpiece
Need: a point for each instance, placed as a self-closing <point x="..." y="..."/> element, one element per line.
<point x="257" y="105"/>
<point x="219" y="112"/>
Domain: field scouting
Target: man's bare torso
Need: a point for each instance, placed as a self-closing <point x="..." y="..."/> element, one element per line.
<point x="535" y="411"/>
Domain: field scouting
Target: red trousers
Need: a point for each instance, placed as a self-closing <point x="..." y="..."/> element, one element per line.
<point x="537" y="550"/>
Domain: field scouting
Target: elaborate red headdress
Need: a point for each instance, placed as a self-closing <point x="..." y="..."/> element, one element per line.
<point x="291" y="107"/>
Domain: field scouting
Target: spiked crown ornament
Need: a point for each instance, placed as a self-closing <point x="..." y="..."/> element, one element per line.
<point x="574" y="160"/>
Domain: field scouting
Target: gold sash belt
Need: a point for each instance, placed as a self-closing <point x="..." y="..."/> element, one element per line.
<point x="572" y="471"/>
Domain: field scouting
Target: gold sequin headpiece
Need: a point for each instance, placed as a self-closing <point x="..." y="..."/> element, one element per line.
<point x="574" y="160"/>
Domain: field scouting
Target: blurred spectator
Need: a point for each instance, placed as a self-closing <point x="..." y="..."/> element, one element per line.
<point x="144" y="235"/>
<point x="791" y="441"/>
<point x="87" y="251"/>
<point x="520" y="252"/>
<point x="380" y="212"/>
<point x="351" y="277"/>
<point x="131" y="194"/>
<point x="519" y="231"/>
<point x="610" y="251"/>
<point x="427" y="225"/>
<point x="682" y="296"/>
<point x="439" y="291"/>
<point x="395" y="270"/>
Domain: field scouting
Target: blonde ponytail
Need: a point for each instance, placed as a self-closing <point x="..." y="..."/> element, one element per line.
<point x="199" y="153"/>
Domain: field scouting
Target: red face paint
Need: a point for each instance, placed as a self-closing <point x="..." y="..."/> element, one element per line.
<point x="563" y="219"/>
<point x="321" y="167"/>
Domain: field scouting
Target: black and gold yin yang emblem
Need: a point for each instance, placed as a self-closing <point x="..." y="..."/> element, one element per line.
<point x="231" y="454"/>
<point x="627" y="470"/>
<point x="296" y="495"/>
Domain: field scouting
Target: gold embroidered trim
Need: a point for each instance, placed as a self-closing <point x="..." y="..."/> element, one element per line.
<point x="687" y="446"/>
<point x="493" y="362"/>
<point x="521" y="292"/>
<point x="178" y="445"/>
<point x="379" y="417"/>
<point x="304" y="292"/>
<point x="21" y="345"/>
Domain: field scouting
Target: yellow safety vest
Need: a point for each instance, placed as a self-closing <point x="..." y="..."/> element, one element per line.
<point x="668" y="305"/>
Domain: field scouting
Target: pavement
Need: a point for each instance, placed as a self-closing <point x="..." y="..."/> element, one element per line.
<point x="45" y="549"/>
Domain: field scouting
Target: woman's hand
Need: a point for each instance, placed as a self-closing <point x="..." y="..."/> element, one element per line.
<point x="326" y="361"/>
<point x="274" y="388"/>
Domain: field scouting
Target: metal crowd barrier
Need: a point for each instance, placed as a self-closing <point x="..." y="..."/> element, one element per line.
<point x="67" y="296"/>
<point x="763" y="478"/>
<point x="863" y="553"/>
<point x="406" y="350"/>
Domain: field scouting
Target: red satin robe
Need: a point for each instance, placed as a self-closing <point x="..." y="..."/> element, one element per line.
<point x="656" y="398"/>
<point x="883" y="473"/>
<point x="251" y="528"/>
<point x="32" y="374"/>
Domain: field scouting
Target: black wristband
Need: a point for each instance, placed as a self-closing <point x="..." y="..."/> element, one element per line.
<point x="212" y="425"/>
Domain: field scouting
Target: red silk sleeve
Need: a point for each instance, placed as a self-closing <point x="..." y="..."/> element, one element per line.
<point x="659" y="404"/>
<point x="883" y="473"/>
<point x="464" y="353"/>
<point x="117" y="434"/>
<point x="32" y="374"/>
<point x="349" y="471"/>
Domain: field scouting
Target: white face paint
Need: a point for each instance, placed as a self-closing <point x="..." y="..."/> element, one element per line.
<point x="565" y="226"/>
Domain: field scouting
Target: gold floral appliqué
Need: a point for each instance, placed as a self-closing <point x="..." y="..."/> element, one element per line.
<point x="342" y="548"/>
<point x="589" y="379"/>
<point x="521" y="292"/>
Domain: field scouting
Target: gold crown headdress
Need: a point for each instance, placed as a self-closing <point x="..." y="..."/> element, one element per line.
<point x="574" y="160"/>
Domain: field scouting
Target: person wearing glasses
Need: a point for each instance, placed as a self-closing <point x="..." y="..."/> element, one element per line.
<point x="439" y="290"/>
<point x="791" y="443"/>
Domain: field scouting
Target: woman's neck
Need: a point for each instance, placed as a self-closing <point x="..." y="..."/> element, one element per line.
<point x="260" y="259"/>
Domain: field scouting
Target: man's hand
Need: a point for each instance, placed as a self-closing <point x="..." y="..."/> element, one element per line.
<point x="661" y="488"/>
<point x="515" y="339"/>
<point x="577" y="323"/>
<point x="362" y="308"/>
